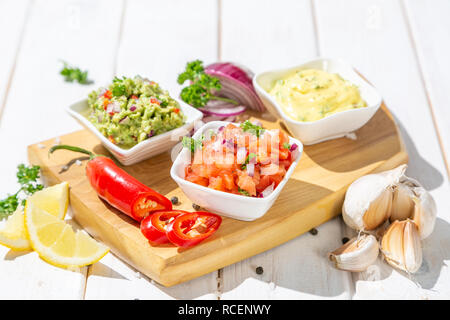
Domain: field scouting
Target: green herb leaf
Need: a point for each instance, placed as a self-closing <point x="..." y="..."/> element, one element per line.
<point x="192" y="144"/>
<point x="286" y="145"/>
<point x="247" y="126"/>
<point x="72" y="74"/>
<point x="8" y="206"/>
<point x="243" y="192"/>
<point x="27" y="177"/>
<point x="247" y="160"/>
<point x="202" y="88"/>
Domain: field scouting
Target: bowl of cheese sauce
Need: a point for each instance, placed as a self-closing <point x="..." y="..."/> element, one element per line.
<point x="319" y="100"/>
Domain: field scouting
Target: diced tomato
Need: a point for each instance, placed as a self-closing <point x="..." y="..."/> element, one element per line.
<point x="111" y="138"/>
<point x="153" y="100"/>
<point x="228" y="180"/>
<point x="134" y="97"/>
<point x="108" y="94"/>
<point x="246" y="183"/>
<point x="197" y="179"/>
<point x="105" y="103"/>
<point x="219" y="165"/>
<point x="264" y="182"/>
<point x="216" y="183"/>
<point x="176" y="110"/>
<point x="284" y="154"/>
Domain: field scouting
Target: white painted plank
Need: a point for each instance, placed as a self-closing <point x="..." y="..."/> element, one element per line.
<point x="373" y="37"/>
<point x="158" y="38"/>
<point x="84" y="33"/>
<point x="281" y="34"/>
<point x="113" y="279"/>
<point x="12" y="22"/>
<point x="430" y="32"/>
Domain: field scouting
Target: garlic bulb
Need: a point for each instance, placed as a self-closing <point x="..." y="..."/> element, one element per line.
<point x="401" y="246"/>
<point x="368" y="200"/>
<point x="357" y="254"/>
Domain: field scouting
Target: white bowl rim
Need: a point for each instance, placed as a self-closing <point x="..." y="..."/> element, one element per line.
<point x="280" y="186"/>
<point x="327" y="118"/>
<point x="138" y="146"/>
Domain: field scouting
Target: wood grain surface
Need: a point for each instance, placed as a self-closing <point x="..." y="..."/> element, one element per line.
<point x="312" y="196"/>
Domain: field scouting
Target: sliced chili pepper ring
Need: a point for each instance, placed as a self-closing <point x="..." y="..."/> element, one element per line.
<point x="191" y="228"/>
<point x="153" y="227"/>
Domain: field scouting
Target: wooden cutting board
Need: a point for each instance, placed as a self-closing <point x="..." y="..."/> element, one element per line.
<point x="313" y="195"/>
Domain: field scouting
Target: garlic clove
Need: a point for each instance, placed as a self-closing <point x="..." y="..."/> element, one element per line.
<point x="371" y="195"/>
<point x="412" y="248"/>
<point x="402" y="203"/>
<point x="357" y="254"/>
<point x="424" y="212"/>
<point x="401" y="246"/>
<point x="378" y="211"/>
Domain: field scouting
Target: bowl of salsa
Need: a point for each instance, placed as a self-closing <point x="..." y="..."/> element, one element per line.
<point x="236" y="170"/>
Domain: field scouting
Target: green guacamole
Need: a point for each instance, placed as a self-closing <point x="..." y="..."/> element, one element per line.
<point x="132" y="110"/>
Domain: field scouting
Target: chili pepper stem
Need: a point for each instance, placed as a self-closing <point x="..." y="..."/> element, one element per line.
<point x="72" y="148"/>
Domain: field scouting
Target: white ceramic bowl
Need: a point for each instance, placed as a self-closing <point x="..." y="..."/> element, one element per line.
<point x="144" y="149"/>
<point x="224" y="203"/>
<point x="330" y="127"/>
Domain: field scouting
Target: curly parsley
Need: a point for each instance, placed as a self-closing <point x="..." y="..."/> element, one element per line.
<point x="27" y="177"/>
<point x="192" y="144"/>
<point x="72" y="74"/>
<point x="247" y="126"/>
<point x="202" y="88"/>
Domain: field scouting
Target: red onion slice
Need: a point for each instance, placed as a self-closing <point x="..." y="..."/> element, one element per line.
<point x="241" y="154"/>
<point x="236" y="84"/>
<point x="224" y="112"/>
<point x="251" y="169"/>
<point x="267" y="191"/>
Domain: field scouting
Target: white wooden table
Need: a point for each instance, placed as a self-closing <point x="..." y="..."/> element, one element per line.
<point x="402" y="47"/>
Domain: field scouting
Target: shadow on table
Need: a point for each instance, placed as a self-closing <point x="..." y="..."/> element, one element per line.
<point x="436" y="249"/>
<point x="418" y="167"/>
<point x="13" y="254"/>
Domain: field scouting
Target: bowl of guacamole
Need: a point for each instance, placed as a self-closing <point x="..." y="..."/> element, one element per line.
<point x="135" y="118"/>
<point x="131" y="110"/>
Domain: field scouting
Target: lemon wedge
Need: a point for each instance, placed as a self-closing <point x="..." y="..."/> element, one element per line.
<point x="13" y="234"/>
<point x="54" y="200"/>
<point x="57" y="243"/>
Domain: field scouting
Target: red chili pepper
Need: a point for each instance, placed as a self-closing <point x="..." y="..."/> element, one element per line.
<point x="153" y="227"/>
<point x="176" y="110"/>
<point x="118" y="188"/>
<point x="108" y="94"/>
<point x="105" y="104"/>
<point x="191" y="228"/>
<point x="134" y="97"/>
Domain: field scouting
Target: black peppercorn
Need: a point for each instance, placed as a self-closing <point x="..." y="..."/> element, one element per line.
<point x="313" y="231"/>
<point x="345" y="240"/>
<point x="259" y="270"/>
<point x="174" y="200"/>
<point x="195" y="206"/>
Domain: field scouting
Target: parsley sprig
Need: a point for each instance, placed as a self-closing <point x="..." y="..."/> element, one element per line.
<point x="192" y="144"/>
<point x="247" y="126"/>
<point x="202" y="88"/>
<point x="27" y="177"/>
<point x="72" y="74"/>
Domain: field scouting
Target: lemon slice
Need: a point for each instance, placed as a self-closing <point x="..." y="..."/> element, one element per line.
<point x="54" y="200"/>
<point x="57" y="243"/>
<point x="13" y="234"/>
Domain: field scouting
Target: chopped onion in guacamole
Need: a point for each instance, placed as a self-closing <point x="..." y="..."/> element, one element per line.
<point x="132" y="110"/>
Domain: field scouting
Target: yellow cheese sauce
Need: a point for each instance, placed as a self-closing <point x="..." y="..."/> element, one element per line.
<point x="310" y="94"/>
